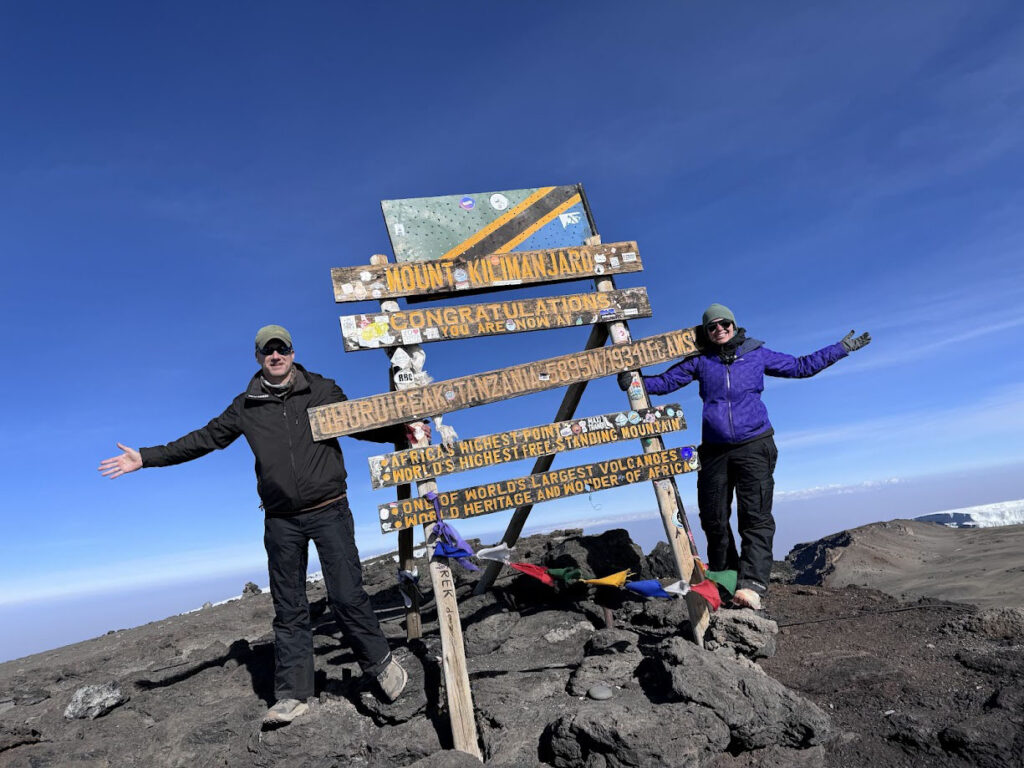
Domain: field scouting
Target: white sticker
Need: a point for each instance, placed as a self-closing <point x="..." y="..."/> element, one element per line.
<point x="365" y="276"/>
<point x="359" y="291"/>
<point x="631" y="311"/>
<point x="346" y="288"/>
<point x="499" y="202"/>
<point x="405" y="379"/>
<point x="629" y="256"/>
<point x="572" y="217"/>
<point x="544" y="377"/>
<point x="510" y="325"/>
<point x="614" y="261"/>
<point x="431" y="333"/>
<point x="376" y="293"/>
<point x="411" y="336"/>
<point x="399" y="230"/>
<point x="384" y="514"/>
<point x="599" y="269"/>
<point x="600" y="258"/>
<point x="400" y="359"/>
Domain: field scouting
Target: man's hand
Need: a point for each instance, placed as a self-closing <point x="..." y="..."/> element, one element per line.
<point x="129" y="461"/>
<point x="625" y="379"/>
<point x="851" y="344"/>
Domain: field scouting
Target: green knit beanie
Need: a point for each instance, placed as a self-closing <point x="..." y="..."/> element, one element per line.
<point x="718" y="312"/>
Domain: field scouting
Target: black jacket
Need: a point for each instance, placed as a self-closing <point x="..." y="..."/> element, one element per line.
<point x="293" y="471"/>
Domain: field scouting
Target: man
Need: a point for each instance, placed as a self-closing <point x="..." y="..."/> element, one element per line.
<point x="301" y="483"/>
<point x="737" y="451"/>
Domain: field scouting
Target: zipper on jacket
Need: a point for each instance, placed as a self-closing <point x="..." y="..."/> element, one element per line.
<point x="728" y="399"/>
<point x="291" y="452"/>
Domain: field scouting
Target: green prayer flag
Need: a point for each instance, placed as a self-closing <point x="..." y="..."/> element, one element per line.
<point x="726" y="579"/>
<point x="568" y="575"/>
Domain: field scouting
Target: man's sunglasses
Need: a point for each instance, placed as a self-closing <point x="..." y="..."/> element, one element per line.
<point x="274" y="346"/>
<point x="725" y="325"/>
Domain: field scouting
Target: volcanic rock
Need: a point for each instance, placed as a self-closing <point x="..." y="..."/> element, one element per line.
<point x="92" y="701"/>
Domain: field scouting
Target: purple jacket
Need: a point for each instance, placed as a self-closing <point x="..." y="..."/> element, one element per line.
<point x="733" y="411"/>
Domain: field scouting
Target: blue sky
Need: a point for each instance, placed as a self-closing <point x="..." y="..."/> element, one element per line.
<point x="175" y="177"/>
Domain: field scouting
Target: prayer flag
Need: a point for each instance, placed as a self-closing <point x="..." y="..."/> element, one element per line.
<point x="451" y="544"/>
<point x="614" y="580"/>
<point x="709" y="591"/>
<point x="678" y="588"/>
<point x="501" y="553"/>
<point x="568" y="575"/>
<point x="727" y="579"/>
<point x="648" y="588"/>
<point x="537" y="571"/>
<point x="408" y="584"/>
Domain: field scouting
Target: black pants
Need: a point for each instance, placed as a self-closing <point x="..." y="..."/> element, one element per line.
<point x="746" y="469"/>
<point x="287" y="541"/>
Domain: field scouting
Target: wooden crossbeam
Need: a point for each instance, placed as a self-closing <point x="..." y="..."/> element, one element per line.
<point x="417" y="464"/>
<point x="531" y="489"/>
<point x="496" y="271"/>
<point x="422" y="326"/>
<point x="443" y="397"/>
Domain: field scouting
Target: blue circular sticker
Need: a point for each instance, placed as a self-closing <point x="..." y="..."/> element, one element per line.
<point x="687" y="453"/>
<point x="466" y="203"/>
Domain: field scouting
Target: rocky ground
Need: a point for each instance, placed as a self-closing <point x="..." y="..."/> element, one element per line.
<point x="829" y="676"/>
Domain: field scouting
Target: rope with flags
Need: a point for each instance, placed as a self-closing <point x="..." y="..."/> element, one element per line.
<point x="448" y="543"/>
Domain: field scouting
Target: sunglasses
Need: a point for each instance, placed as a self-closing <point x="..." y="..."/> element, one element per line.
<point x="725" y="325"/>
<point x="274" y="346"/>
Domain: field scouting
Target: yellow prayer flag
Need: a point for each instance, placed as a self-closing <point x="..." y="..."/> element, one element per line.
<point x="615" y="580"/>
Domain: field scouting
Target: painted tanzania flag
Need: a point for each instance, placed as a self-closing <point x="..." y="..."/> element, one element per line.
<point x="478" y="224"/>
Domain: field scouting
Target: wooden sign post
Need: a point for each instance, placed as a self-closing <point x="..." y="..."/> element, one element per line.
<point x="670" y="506"/>
<point x="476" y="256"/>
<point x="453" y="653"/>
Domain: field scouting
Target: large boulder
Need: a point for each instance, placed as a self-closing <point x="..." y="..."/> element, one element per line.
<point x="744" y="633"/>
<point x="621" y="735"/>
<point x="611" y="659"/>
<point x="758" y="710"/>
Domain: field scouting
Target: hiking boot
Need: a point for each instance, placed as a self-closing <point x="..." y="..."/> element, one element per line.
<point x="284" y="711"/>
<point x="746" y="598"/>
<point x="393" y="679"/>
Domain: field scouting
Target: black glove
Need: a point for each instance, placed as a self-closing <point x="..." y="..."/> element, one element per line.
<point x="851" y="344"/>
<point x="625" y="379"/>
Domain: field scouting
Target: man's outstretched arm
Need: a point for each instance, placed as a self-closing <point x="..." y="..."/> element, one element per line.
<point x="129" y="461"/>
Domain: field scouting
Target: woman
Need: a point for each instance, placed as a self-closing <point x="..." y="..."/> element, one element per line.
<point x="737" y="452"/>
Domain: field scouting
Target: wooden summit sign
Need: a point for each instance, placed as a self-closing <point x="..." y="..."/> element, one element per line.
<point x="556" y="484"/>
<point x="488" y="272"/>
<point x="419" y="326"/>
<point x="442" y="397"/>
<point x="416" y="464"/>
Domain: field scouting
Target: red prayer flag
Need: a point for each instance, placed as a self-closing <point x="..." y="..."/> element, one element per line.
<point x="709" y="591"/>
<point x="537" y="571"/>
